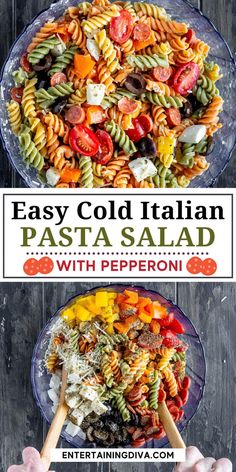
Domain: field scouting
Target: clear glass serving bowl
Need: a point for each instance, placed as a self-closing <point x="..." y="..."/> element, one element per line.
<point x="180" y="10"/>
<point x="196" y="365"/>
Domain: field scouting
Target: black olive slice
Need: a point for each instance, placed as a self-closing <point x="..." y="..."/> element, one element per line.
<point x="44" y="64"/>
<point x="135" y="83"/>
<point x="146" y="147"/>
<point x="187" y="109"/>
<point x="59" y="105"/>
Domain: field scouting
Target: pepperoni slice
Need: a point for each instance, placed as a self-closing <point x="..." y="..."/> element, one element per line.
<point x="45" y="265"/>
<point x="209" y="266"/>
<point x="75" y="115"/>
<point x="194" y="265"/>
<point x="173" y="116"/>
<point x="141" y="32"/>
<point x="127" y="105"/>
<point x="17" y="94"/>
<point x="24" y="62"/>
<point x="58" y="78"/>
<point x="162" y="74"/>
<point x="31" y="267"/>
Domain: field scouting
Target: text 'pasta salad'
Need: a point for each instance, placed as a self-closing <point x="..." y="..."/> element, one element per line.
<point x="123" y="354"/>
<point x="116" y="95"/>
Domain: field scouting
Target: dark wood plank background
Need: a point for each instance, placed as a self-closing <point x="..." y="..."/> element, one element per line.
<point x="15" y="14"/>
<point x="24" y="309"/>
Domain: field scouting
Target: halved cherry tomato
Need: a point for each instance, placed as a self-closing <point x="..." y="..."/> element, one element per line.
<point x="141" y="31"/>
<point x="17" y="93"/>
<point x="191" y="37"/>
<point x="167" y="320"/>
<point x="173" y="116"/>
<point x="186" y="78"/>
<point x="178" y="401"/>
<point x="184" y="395"/>
<point x="121" y="27"/>
<point x="24" y="62"/>
<point x="105" y="150"/>
<point x="176" y="326"/>
<point x="170" y="338"/>
<point x="84" y="140"/>
<point x="162" y="74"/>
<point x="75" y="115"/>
<point x="161" y="395"/>
<point x="127" y="105"/>
<point x="57" y="79"/>
<point x="186" y="382"/>
<point x="146" y="122"/>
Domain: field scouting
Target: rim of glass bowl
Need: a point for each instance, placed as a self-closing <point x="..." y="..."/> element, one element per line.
<point x="183" y="424"/>
<point x="14" y="164"/>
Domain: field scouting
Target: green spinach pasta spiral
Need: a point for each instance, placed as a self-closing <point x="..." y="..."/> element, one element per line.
<point x="120" y="137"/>
<point x="62" y="61"/>
<point x="205" y="90"/>
<point x="147" y="61"/>
<point x="29" y="151"/>
<point x="113" y="98"/>
<point x="43" y="49"/>
<point x="162" y="100"/>
<point x="85" y="164"/>
<point x="120" y="404"/>
<point x="187" y="155"/>
<point x="45" y="98"/>
<point x="153" y="393"/>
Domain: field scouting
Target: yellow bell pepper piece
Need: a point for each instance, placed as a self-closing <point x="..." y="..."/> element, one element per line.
<point x="68" y="315"/>
<point x="106" y="312"/>
<point x="110" y="329"/>
<point x="101" y="299"/>
<point x="112" y="318"/>
<point x="165" y="145"/>
<point x="91" y="306"/>
<point x="82" y="314"/>
<point x="111" y="295"/>
<point x="145" y="318"/>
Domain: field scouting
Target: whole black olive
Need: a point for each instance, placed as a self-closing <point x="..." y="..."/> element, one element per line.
<point x="187" y="109"/>
<point x="59" y="105"/>
<point x="210" y="145"/>
<point x="146" y="147"/>
<point x="44" y="64"/>
<point x="192" y="99"/>
<point x="135" y="83"/>
<point x="43" y="84"/>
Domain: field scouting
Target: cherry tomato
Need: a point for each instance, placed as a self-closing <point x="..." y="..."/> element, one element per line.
<point x="105" y="150"/>
<point x="141" y="32"/>
<point x="146" y="122"/>
<point x="186" y="78"/>
<point x="167" y="320"/>
<point x="121" y="27"/>
<point x="75" y="115"/>
<point x="161" y="395"/>
<point x="160" y="434"/>
<point x="181" y="414"/>
<point x="162" y="74"/>
<point x="57" y="79"/>
<point x="45" y="265"/>
<point x="209" y="266"/>
<point x="24" y="62"/>
<point x="31" y="267"/>
<point x="186" y="382"/>
<point x="191" y="37"/>
<point x="170" y="338"/>
<point x="173" y="116"/>
<point x="17" y="93"/>
<point x="178" y="401"/>
<point x="127" y="105"/>
<point x="84" y="140"/>
<point x="194" y="265"/>
<point x="177" y="327"/>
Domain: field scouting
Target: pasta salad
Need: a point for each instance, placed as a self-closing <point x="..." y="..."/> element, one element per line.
<point x="123" y="354"/>
<point x="116" y="95"/>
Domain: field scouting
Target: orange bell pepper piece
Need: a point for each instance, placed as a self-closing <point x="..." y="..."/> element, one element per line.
<point x="70" y="175"/>
<point x="121" y="327"/>
<point x="132" y="297"/>
<point x="83" y="65"/>
<point x="143" y="44"/>
<point x="159" y="310"/>
<point x="95" y="114"/>
<point x="120" y="298"/>
<point x="145" y="318"/>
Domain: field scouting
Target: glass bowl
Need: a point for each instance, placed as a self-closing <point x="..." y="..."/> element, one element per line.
<point x="196" y="365"/>
<point x="180" y="10"/>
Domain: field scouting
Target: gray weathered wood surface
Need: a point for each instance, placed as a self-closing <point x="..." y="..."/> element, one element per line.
<point x="24" y="309"/>
<point x="16" y="14"/>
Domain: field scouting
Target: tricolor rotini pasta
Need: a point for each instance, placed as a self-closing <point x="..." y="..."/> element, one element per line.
<point x="123" y="358"/>
<point x="108" y="79"/>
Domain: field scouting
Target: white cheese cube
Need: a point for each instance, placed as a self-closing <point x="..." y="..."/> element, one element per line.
<point x="53" y="395"/>
<point x="93" y="48"/>
<point x="72" y="402"/>
<point x="52" y="176"/>
<point x="72" y="429"/>
<point x="86" y="408"/>
<point x="78" y="416"/>
<point x="95" y="93"/>
<point x="74" y="378"/>
<point x="55" y="382"/>
<point x="59" y="49"/>
<point x="142" y="168"/>
<point x="193" y="134"/>
<point x="54" y="408"/>
<point x="81" y="434"/>
<point x="98" y="407"/>
<point x="88" y="393"/>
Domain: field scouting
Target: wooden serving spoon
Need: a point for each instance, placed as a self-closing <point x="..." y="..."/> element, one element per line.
<point x="170" y="427"/>
<point x="56" y="425"/>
